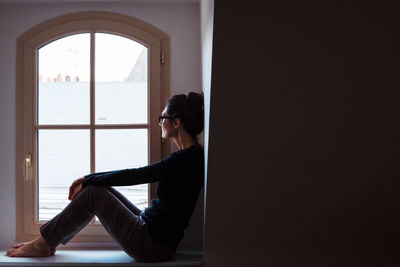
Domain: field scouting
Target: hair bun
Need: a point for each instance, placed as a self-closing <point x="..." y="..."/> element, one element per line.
<point x="195" y="101"/>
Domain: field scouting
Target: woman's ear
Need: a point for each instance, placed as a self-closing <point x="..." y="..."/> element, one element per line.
<point x="177" y="123"/>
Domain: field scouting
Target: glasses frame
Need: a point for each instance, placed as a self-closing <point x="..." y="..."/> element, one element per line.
<point x="162" y="118"/>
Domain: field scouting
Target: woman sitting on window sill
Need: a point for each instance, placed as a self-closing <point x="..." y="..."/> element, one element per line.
<point x="149" y="235"/>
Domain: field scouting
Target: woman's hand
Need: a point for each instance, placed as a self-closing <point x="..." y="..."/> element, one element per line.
<point x="75" y="187"/>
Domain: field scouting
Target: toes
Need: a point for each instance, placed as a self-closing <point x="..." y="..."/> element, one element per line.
<point x="10" y="252"/>
<point x="18" y="245"/>
<point x="13" y="254"/>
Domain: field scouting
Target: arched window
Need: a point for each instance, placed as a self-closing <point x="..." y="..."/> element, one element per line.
<point x="90" y="87"/>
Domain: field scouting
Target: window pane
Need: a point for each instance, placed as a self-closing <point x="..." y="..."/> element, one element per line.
<point x="63" y="156"/>
<point x="121" y="149"/>
<point x="63" y="81"/>
<point x="121" y="80"/>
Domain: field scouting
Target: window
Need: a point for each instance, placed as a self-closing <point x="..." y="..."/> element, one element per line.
<point x="89" y="91"/>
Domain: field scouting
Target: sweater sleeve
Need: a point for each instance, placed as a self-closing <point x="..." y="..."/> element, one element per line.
<point x="149" y="174"/>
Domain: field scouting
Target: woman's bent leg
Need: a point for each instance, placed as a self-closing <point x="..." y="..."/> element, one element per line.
<point x="124" y="226"/>
<point x="125" y="201"/>
<point x="160" y="252"/>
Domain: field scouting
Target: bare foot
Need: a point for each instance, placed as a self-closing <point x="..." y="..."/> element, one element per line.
<point x="52" y="251"/>
<point x="34" y="248"/>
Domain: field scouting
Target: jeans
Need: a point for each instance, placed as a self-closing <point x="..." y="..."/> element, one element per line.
<point x="117" y="214"/>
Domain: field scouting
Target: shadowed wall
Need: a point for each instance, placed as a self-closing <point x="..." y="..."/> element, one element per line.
<point x="303" y="156"/>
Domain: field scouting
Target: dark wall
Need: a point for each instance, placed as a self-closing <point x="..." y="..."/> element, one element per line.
<point x="304" y="145"/>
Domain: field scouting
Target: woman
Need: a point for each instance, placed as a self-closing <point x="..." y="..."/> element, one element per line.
<point x="149" y="235"/>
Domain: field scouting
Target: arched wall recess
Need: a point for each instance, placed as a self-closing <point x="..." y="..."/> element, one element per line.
<point x="157" y="43"/>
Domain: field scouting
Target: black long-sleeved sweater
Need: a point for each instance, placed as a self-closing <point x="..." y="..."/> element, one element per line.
<point x="180" y="178"/>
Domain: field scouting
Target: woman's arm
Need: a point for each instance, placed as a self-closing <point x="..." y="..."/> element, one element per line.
<point x="149" y="174"/>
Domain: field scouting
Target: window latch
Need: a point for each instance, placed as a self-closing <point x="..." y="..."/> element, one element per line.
<point x="162" y="58"/>
<point x="27" y="163"/>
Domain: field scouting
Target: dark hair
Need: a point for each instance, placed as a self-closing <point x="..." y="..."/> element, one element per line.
<point x="190" y="110"/>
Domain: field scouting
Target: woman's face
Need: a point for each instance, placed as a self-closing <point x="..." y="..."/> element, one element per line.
<point x="167" y="128"/>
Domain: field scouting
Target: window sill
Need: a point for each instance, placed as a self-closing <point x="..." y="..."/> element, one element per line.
<point x="100" y="258"/>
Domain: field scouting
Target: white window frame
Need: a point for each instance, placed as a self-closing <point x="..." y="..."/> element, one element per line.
<point x="157" y="42"/>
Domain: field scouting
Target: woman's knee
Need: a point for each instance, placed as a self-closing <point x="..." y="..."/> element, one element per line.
<point x="94" y="190"/>
<point x="95" y="196"/>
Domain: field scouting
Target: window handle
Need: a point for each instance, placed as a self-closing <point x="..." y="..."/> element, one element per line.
<point x="28" y="163"/>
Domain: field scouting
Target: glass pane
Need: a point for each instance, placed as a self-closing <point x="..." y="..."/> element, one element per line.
<point x="63" y="156"/>
<point x="121" y="149"/>
<point x="121" y="80"/>
<point x="63" y="81"/>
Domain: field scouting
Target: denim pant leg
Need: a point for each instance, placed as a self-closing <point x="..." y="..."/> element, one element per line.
<point x="125" y="201"/>
<point x="160" y="252"/>
<point x="125" y="227"/>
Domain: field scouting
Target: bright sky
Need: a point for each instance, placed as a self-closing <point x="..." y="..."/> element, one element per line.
<point x="114" y="59"/>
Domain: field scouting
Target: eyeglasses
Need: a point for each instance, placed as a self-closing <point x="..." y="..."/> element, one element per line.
<point x="161" y="118"/>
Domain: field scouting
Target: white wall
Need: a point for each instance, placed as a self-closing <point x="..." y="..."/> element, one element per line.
<point x="207" y="21"/>
<point x="180" y="21"/>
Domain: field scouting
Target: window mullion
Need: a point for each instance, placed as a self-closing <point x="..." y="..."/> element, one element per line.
<point x="92" y="104"/>
<point x="92" y="108"/>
